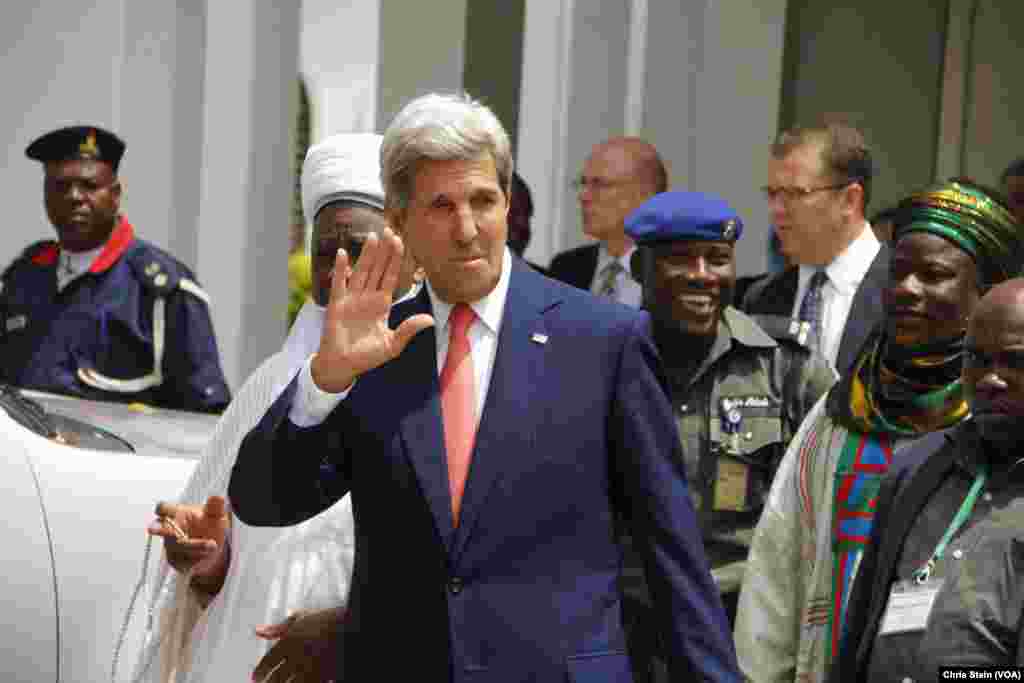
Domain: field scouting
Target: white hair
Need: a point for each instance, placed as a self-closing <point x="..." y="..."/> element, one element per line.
<point x="440" y="128"/>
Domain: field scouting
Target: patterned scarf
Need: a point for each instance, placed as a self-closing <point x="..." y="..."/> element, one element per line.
<point x="893" y="392"/>
<point x="902" y="390"/>
<point x="908" y="389"/>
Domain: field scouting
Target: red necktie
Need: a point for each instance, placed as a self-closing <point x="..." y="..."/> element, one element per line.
<point x="458" y="403"/>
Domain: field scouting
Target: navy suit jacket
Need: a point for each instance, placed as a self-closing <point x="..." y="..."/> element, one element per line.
<point x="577" y="266"/>
<point x="776" y="295"/>
<point x="525" y="588"/>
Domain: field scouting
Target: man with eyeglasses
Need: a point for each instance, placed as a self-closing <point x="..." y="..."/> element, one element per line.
<point x="819" y="184"/>
<point x="619" y="175"/>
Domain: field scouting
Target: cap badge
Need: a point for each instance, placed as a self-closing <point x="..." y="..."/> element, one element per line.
<point x="88" y="148"/>
<point x="729" y="229"/>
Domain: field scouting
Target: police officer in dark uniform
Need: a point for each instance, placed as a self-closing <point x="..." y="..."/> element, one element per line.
<point x="740" y="385"/>
<point x="99" y="313"/>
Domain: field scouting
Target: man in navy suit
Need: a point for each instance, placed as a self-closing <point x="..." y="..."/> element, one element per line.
<point x="819" y="185"/>
<point x="489" y="458"/>
<point x="619" y="175"/>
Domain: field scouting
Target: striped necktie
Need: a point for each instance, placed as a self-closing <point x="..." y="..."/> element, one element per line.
<point x="811" y="308"/>
<point x="609" y="285"/>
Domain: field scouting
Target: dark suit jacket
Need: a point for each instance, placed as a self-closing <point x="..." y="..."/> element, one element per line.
<point x="918" y="473"/>
<point x="525" y="587"/>
<point x="776" y="295"/>
<point x="577" y="266"/>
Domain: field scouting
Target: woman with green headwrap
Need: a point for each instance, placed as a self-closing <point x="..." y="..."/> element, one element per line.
<point x="950" y="243"/>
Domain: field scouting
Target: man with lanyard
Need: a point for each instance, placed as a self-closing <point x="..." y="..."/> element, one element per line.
<point x="99" y="313"/>
<point x="740" y="385"/>
<point x="939" y="584"/>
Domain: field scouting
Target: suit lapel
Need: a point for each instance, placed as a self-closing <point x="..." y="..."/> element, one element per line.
<point x="590" y="267"/>
<point x="777" y="294"/>
<point x="506" y="431"/>
<point x="865" y="312"/>
<point x="421" y="429"/>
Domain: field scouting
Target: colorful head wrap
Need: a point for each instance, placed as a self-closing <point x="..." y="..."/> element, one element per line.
<point x="971" y="217"/>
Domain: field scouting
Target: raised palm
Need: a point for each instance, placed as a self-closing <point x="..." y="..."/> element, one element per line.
<point x="357" y="337"/>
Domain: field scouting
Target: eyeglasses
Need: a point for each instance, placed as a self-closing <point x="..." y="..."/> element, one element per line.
<point x="595" y="184"/>
<point x="795" y="192"/>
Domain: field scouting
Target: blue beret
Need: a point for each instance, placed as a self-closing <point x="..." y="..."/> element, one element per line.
<point x="673" y="216"/>
<point x="77" y="142"/>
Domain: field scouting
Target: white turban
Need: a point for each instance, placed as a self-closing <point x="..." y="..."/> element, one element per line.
<point x="342" y="167"/>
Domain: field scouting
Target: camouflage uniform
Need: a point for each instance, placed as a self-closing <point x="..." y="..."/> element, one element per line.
<point x="736" y="415"/>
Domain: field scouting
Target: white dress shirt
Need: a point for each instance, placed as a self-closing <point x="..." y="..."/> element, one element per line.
<point x="312" y="405"/>
<point x="845" y="273"/>
<point x="73" y="264"/>
<point x="627" y="290"/>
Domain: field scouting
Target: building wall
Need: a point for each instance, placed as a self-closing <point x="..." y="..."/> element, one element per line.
<point x="995" y="95"/>
<point x="712" y="101"/>
<point x="858" y="60"/>
<point x="338" y="57"/>
<point x="421" y="49"/>
<point x="494" y="57"/>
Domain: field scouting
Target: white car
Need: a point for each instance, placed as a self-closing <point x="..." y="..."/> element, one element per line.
<point x="78" y="484"/>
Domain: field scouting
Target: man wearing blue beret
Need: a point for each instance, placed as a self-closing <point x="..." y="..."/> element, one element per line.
<point x="98" y="312"/>
<point x="740" y="386"/>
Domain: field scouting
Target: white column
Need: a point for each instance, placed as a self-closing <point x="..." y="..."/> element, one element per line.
<point x="543" y="119"/>
<point x="246" y="181"/>
<point x="636" y="70"/>
<point x="573" y="96"/>
<point x="948" y="162"/>
<point x="338" y="57"/>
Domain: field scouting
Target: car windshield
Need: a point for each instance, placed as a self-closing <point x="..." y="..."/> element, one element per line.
<point x="59" y="428"/>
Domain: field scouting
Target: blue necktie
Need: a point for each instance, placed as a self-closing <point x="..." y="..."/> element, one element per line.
<point x="811" y="308"/>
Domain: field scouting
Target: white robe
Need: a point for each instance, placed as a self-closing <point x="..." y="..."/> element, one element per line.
<point x="273" y="572"/>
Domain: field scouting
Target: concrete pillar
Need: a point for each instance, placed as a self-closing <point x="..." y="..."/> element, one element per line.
<point x="338" y="54"/>
<point x="712" y="100"/>
<point x="248" y="117"/>
<point x="700" y="80"/>
<point x="574" y="94"/>
<point x="162" y="121"/>
<point x="421" y="50"/>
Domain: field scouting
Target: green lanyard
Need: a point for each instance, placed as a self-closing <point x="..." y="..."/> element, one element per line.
<point x="922" y="575"/>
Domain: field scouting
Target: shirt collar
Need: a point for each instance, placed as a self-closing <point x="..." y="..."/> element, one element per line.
<point x="847" y="270"/>
<point x="488" y="310"/>
<point x="604" y="257"/>
<point x="78" y="262"/>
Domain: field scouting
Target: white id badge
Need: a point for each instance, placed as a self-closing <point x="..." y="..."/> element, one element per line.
<point x="909" y="605"/>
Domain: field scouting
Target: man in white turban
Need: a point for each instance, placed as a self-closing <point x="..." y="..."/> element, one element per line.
<point x="294" y="578"/>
